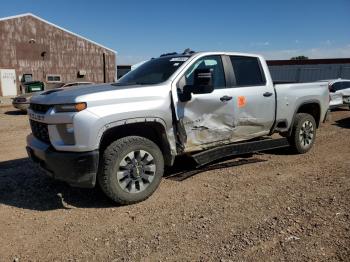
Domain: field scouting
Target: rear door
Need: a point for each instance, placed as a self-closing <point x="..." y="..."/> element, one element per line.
<point x="254" y="98"/>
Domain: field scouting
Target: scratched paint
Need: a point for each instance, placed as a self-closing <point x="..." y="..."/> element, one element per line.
<point x="208" y="123"/>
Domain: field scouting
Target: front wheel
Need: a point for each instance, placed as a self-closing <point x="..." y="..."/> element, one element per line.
<point x="132" y="169"/>
<point x="303" y="133"/>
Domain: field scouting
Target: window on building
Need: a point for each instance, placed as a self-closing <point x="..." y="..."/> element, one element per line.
<point x="53" y="78"/>
<point x="247" y="71"/>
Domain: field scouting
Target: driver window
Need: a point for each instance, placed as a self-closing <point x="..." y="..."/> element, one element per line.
<point x="213" y="63"/>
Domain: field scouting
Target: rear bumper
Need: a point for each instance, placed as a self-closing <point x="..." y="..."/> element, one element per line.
<point x="79" y="169"/>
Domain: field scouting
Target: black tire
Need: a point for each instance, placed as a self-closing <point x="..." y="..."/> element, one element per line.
<point x="303" y="133"/>
<point x="117" y="163"/>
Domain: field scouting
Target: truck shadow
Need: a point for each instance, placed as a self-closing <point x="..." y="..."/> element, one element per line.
<point x="185" y="167"/>
<point x="15" y="113"/>
<point x="23" y="185"/>
<point x="343" y="123"/>
<point x="285" y="151"/>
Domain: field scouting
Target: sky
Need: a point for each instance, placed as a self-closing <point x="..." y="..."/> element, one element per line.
<point x="139" y="30"/>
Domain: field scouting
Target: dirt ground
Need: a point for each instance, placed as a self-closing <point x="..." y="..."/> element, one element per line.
<point x="283" y="207"/>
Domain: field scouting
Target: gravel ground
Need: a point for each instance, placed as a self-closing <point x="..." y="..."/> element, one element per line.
<point x="284" y="207"/>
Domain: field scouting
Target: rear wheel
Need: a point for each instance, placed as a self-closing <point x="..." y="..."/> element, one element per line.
<point x="303" y="133"/>
<point x="132" y="169"/>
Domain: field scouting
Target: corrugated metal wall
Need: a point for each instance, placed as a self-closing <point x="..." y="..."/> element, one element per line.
<point x="309" y="73"/>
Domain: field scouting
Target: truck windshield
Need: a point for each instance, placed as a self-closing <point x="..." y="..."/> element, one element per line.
<point x="154" y="71"/>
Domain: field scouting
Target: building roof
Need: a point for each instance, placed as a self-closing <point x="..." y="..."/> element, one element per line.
<point x="309" y="61"/>
<point x="63" y="29"/>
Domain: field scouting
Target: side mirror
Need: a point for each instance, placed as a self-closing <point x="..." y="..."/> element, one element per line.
<point x="202" y="84"/>
<point x="202" y="81"/>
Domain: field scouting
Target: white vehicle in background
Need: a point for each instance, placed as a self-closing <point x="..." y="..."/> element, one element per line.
<point x="339" y="92"/>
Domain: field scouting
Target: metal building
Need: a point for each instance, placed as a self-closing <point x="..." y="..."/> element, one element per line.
<point x="309" y="70"/>
<point x="32" y="48"/>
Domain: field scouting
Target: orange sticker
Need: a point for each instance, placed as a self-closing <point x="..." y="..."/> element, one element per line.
<point x="241" y="101"/>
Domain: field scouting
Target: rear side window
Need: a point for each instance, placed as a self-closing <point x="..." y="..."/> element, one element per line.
<point x="248" y="71"/>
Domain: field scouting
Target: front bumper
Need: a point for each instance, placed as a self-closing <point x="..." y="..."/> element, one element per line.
<point x="79" y="169"/>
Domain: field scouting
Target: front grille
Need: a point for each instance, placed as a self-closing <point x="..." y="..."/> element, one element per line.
<point x="40" y="108"/>
<point x="40" y="131"/>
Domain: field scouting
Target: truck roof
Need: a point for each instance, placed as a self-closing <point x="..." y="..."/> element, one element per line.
<point x="189" y="53"/>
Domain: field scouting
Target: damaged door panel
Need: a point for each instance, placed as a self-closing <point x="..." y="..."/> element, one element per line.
<point x="255" y="116"/>
<point x="207" y="118"/>
<point x="239" y="108"/>
<point x="253" y="98"/>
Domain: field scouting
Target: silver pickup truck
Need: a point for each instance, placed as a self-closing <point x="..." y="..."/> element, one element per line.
<point x="207" y="104"/>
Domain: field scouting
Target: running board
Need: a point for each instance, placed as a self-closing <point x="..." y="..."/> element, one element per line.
<point x="211" y="155"/>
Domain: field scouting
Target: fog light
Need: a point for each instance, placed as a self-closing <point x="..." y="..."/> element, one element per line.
<point x="69" y="128"/>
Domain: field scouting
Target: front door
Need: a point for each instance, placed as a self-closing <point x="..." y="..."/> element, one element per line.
<point x="8" y="82"/>
<point x="207" y="119"/>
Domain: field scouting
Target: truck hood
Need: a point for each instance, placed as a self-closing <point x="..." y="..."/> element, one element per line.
<point x="98" y="94"/>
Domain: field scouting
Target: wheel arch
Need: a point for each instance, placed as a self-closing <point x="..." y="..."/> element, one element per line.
<point x="153" y="129"/>
<point x="311" y="107"/>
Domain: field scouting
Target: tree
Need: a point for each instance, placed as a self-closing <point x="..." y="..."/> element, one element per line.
<point x="301" y="57"/>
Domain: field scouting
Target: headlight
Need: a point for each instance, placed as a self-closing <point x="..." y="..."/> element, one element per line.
<point x="70" y="107"/>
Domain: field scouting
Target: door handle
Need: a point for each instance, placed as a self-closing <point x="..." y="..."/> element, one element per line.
<point x="267" y="94"/>
<point x="225" y="98"/>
